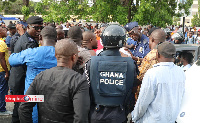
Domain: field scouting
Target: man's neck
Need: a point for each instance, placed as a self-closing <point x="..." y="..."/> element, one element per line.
<point x="62" y="64"/>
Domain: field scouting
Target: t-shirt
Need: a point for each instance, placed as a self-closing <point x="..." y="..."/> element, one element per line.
<point x="4" y="48"/>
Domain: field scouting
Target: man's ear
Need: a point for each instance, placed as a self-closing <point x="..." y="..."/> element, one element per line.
<point x="73" y="58"/>
<point x="90" y="41"/>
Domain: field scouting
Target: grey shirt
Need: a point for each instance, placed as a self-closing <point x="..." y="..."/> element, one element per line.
<point x="66" y="97"/>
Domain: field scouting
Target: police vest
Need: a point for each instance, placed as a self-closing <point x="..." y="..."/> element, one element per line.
<point x="111" y="78"/>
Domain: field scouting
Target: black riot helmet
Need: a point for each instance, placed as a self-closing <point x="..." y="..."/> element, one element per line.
<point x="113" y="36"/>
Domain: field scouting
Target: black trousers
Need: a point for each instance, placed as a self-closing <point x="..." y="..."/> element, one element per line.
<point x="15" y="116"/>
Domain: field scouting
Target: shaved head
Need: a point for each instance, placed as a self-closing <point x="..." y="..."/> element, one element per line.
<point x="88" y="35"/>
<point x="65" y="48"/>
<point x="158" y="35"/>
<point x="89" y="40"/>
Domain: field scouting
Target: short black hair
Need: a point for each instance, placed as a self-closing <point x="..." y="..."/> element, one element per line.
<point x="75" y="32"/>
<point x="49" y="32"/>
<point x="188" y="56"/>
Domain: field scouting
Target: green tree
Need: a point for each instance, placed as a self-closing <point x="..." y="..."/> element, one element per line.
<point x="160" y="12"/>
<point x="156" y="12"/>
<point x="196" y="18"/>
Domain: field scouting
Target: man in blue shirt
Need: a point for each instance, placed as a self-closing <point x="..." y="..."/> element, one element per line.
<point x="37" y="59"/>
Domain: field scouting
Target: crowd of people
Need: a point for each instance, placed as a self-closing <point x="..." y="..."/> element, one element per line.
<point x="96" y="74"/>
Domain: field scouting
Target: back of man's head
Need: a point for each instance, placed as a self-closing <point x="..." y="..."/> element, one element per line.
<point x="65" y="48"/>
<point x="49" y="33"/>
<point x="75" y="33"/>
<point x="158" y="35"/>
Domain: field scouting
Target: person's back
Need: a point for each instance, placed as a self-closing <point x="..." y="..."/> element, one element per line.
<point x="112" y="78"/>
<point x="168" y="93"/>
<point x="59" y="85"/>
<point x="66" y="92"/>
<point x="162" y="89"/>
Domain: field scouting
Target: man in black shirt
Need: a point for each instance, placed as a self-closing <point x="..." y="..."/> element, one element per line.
<point x="18" y="74"/>
<point x="66" y="92"/>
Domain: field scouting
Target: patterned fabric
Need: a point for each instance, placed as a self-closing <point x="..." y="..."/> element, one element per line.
<point x="147" y="63"/>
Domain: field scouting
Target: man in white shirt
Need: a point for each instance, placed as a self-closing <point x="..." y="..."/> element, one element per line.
<point x="186" y="59"/>
<point x="162" y="89"/>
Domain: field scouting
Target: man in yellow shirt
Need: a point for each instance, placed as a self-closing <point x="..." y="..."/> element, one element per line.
<point x="4" y="73"/>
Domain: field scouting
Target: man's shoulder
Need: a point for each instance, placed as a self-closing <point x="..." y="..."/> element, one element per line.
<point x="2" y="43"/>
<point x="151" y="54"/>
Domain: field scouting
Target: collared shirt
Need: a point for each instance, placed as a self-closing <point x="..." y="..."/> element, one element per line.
<point x="131" y="41"/>
<point x="4" y="48"/>
<point x="186" y="67"/>
<point x="36" y="59"/>
<point x="147" y="63"/>
<point x="142" y="47"/>
<point x="160" y="95"/>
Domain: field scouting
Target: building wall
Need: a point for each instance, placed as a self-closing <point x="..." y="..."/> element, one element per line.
<point x="193" y="11"/>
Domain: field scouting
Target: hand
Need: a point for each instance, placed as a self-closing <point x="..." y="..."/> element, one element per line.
<point x="7" y="76"/>
<point x="20" y="29"/>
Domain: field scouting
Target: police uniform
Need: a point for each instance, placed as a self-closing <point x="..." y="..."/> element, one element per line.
<point x="18" y="74"/>
<point x="8" y="38"/>
<point x="111" y="79"/>
<point x="142" y="47"/>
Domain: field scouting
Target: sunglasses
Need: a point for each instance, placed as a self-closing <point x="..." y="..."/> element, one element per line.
<point x="37" y="27"/>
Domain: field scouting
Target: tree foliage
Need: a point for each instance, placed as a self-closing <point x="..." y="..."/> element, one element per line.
<point x="196" y="18"/>
<point x="160" y="12"/>
<point x="156" y="12"/>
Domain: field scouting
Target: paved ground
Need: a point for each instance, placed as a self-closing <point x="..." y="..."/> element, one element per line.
<point x="10" y="106"/>
<point x="7" y="119"/>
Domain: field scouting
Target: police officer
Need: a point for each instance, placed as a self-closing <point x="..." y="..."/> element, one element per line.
<point x="12" y="31"/>
<point x="17" y="77"/>
<point x="142" y="46"/>
<point x="112" y="79"/>
<point x="132" y="40"/>
<point x="178" y="38"/>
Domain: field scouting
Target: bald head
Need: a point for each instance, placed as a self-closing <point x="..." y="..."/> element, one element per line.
<point x="89" y="40"/>
<point x="156" y="36"/>
<point x="65" y="48"/>
<point x="88" y="35"/>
